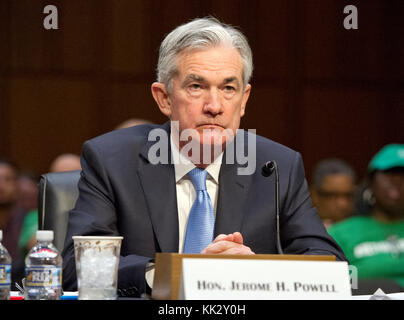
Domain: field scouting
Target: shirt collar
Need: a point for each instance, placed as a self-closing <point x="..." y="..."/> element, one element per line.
<point x="184" y="165"/>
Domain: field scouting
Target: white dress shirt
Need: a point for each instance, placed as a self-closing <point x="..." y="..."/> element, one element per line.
<point x="186" y="195"/>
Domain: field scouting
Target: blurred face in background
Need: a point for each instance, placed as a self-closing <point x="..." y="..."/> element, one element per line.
<point x="65" y="162"/>
<point x="28" y="193"/>
<point x="335" y="198"/>
<point x="388" y="191"/>
<point x="8" y="185"/>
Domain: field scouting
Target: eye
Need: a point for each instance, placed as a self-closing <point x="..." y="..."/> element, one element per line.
<point x="194" y="86"/>
<point x="194" y="89"/>
<point x="229" y="89"/>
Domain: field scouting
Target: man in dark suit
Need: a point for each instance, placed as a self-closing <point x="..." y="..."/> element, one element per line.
<point x="134" y="186"/>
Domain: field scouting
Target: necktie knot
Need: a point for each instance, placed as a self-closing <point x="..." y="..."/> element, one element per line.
<point x="198" y="178"/>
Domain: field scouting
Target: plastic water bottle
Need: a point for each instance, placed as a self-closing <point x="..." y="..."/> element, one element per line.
<point x="43" y="269"/>
<point x="5" y="271"/>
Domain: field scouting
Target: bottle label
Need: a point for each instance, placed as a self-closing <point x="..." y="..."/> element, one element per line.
<point x="43" y="276"/>
<point x="5" y="275"/>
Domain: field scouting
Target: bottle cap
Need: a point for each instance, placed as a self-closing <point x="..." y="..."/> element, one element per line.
<point x="44" y="235"/>
<point x="1" y="235"/>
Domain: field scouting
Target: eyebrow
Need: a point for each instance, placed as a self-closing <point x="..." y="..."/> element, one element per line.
<point x="230" y="79"/>
<point x="194" y="77"/>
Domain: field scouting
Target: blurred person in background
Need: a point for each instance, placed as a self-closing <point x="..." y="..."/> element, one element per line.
<point x="28" y="191"/>
<point x="65" y="162"/>
<point x="11" y="216"/>
<point x="374" y="242"/>
<point x="332" y="190"/>
<point x="28" y="202"/>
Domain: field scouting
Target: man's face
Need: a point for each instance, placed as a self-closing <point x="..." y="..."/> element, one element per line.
<point x="8" y="185"/>
<point x="208" y="92"/>
<point x="335" y="199"/>
<point x="388" y="190"/>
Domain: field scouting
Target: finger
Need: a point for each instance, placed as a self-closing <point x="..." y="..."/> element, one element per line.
<point x="218" y="247"/>
<point x="236" y="250"/>
<point x="237" y="237"/>
<point x="227" y="247"/>
<point x="221" y="237"/>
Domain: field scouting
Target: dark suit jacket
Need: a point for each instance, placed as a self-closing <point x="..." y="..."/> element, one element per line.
<point x="122" y="193"/>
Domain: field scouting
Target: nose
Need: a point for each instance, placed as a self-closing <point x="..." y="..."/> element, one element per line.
<point x="212" y="103"/>
<point x="393" y="193"/>
<point x="344" y="203"/>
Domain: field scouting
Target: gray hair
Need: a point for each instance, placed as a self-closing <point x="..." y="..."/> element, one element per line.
<point x="201" y="33"/>
<point x="328" y="167"/>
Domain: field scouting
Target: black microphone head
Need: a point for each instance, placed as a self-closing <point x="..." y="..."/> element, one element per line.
<point x="268" y="168"/>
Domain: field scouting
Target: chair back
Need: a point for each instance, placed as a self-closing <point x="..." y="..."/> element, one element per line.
<point x="58" y="193"/>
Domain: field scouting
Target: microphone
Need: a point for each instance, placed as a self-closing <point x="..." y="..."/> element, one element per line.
<point x="267" y="169"/>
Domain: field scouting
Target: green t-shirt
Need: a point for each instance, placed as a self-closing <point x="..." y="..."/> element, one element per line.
<point x="376" y="248"/>
<point x="29" y="228"/>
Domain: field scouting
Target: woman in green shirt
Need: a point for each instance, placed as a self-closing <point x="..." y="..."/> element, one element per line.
<point x="374" y="243"/>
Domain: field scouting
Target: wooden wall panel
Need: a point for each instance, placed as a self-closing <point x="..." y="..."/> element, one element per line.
<point x="392" y="18"/>
<point x="341" y="124"/>
<point x="318" y="88"/>
<point x="133" y="101"/>
<point x="166" y="15"/>
<point x="5" y="11"/>
<point x="130" y="25"/>
<point x="270" y="42"/>
<point x="49" y="116"/>
<point x="393" y="116"/>
<point x="26" y="35"/>
<point x="332" y="52"/>
<point x="237" y="16"/>
<point x="267" y="114"/>
<point x="78" y="36"/>
<point x="4" y="129"/>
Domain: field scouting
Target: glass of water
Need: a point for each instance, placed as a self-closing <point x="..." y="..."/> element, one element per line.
<point x="97" y="260"/>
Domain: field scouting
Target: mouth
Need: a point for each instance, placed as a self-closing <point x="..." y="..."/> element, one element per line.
<point x="210" y="126"/>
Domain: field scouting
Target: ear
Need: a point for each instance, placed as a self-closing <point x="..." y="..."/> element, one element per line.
<point x="161" y="97"/>
<point x="246" y="95"/>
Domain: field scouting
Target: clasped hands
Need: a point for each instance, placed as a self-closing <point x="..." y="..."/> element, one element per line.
<point x="227" y="244"/>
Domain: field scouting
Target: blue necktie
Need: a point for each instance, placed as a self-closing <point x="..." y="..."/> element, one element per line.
<point x="201" y="220"/>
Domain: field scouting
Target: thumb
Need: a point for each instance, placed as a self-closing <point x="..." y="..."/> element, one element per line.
<point x="237" y="237"/>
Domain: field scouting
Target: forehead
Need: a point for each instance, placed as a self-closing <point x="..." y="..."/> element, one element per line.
<point x="390" y="174"/>
<point x="337" y="181"/>
<point x="215" y="62"/>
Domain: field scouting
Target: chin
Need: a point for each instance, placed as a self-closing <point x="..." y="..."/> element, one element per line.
<point x="215" y="136"/>
<point x="212" y="140"/>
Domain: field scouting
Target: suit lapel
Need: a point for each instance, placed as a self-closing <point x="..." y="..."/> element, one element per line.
<point x="158" y="182"/>
<point x="233" y="193"/>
